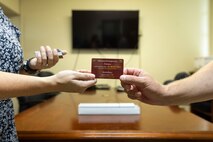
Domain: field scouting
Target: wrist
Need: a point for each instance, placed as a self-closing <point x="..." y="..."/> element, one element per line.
<point x="52" y="83"/>
<point x="174" y="94"/>
<point x="168" y="94"/>
<point x="27" y="68"/>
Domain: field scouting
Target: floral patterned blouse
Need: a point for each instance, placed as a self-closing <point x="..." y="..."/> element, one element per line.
<point x="11" y="57"/>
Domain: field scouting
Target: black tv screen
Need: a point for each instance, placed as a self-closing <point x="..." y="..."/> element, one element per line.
<point x="105" y="29"/>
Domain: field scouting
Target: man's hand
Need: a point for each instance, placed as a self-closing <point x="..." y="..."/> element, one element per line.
<point x="141" y="86"/>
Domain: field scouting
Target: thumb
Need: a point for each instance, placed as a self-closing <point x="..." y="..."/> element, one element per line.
<point x="130" y="79"/>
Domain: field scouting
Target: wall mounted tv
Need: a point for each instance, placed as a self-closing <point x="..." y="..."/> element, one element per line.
<point x="105" y="29"/>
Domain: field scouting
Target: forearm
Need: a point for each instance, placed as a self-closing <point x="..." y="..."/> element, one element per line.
<point x="13" y="85"/>
<point x="197" y="87"/>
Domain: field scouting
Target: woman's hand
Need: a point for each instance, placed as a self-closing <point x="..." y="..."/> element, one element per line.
<point x="45" y="58"/>
<point x="73" y="81"/>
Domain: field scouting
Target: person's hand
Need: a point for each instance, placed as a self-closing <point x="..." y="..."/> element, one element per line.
<point x="73" y="81"/>
<point x="45" y="58"/>
<point x="141" y="86"/>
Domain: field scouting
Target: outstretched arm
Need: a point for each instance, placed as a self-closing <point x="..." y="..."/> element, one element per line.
<point x="140" y="85"/>
<point x="198" y="87"/>
<point x="13" y="85"/>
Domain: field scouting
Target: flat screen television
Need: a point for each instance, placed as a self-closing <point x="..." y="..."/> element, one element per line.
<point x="105" y="29"/>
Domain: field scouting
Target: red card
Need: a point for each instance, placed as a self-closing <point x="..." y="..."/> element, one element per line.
<point x="107" y="68"/>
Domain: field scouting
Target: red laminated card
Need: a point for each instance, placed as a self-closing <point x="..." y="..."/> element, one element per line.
<point x="107" y="68"/>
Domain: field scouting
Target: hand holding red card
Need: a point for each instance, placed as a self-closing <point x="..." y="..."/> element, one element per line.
<point x="107" y="68"/>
